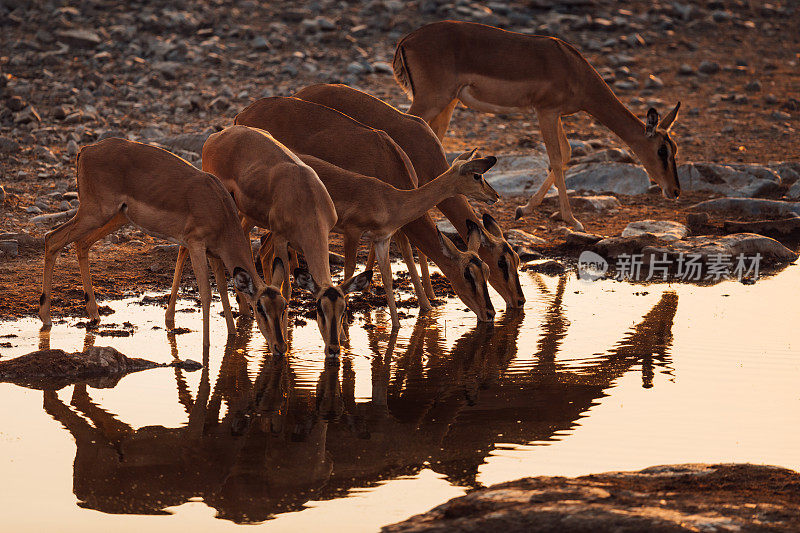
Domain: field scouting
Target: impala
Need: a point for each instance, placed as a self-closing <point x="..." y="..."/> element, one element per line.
<point x="313" y="129"/>
<point x="427" y="155"/>
<point x="273" y="189"/>
<point x="366" y="206"/>
<point x="121" y="182"/>
<point x="497" y="71"/>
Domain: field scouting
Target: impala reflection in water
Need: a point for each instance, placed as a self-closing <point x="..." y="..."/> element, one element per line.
<point x="403" y="422"/>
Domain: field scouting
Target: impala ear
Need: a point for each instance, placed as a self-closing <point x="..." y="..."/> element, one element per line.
<point x="243" y="281"/>
<point x="475" y="236"/>
<point x="278" y="271"/>
<point x="492" y="226"/>
<point x="651" y="123"/>
<point x="448" y="248"/>
<point x="357" y="283"/>
<point x="305" y="281"/>
<point x="478" y="166"/>
<point x="667" y="122"/>
<point x="466" y="156"/>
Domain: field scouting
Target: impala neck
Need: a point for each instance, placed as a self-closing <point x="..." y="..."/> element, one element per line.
<point x="413" y="203"/>
<point x="603" y="104"/>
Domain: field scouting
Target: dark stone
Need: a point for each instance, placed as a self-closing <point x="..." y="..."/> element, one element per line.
<point x="551" y="268"/>
<point x="690" y="497"/>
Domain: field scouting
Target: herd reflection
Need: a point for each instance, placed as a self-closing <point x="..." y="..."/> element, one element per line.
<point x="255" y="446"/>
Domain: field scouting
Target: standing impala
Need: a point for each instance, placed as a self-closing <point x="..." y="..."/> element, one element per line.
<point x="275" y="190"/>
<point x="368" y="207"/>
<point x="313" y="129"/>
<point x="427" y="155"/>
<point x="122" y="182"/>
<point x="497" y="71"/>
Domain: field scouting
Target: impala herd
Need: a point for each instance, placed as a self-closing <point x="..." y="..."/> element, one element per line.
<point x="332" y="158"/>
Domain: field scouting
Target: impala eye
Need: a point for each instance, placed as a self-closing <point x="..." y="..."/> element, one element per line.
<point x="477" y="177"/>
<point x="662" y="151"/>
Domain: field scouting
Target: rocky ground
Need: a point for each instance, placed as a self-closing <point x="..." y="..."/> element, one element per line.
<point x="156" y="71"/>
<point x="697" y="497"/>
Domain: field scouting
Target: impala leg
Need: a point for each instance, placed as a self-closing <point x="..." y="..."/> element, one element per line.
<point x="197" y="253"/>
<point x="351" y="241"/>
<point x="169" y="316"/>
<point x="76" y="228"/>
<point x="550" y="123"/>
<point x="244" y="306"/>
<point x="82" y="251"/>
<point x="408" y="257"/>
<point x="369" y="265"/>
<point x="382" y="255"/>
<point x="535" y="200"/>
<point x="426" y="275"/>
<point x="222" y="286"/>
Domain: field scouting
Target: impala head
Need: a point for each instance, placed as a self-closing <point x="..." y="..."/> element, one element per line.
<point x="659" y="156"/>
<point x="498" y="253"/>
<point x="469" y="277"/>
<point x="269" y="305"/>
<point x="331" y="305"/>
<point x="471" y="169"/>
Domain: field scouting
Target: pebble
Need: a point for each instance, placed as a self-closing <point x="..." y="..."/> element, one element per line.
<point x="685" y="70"/>
<point x="72" y="148"/>
<point x="709" y="67"/>
<point x="9" y="248"/>
<point x="653" y="82"/>
<point x="753" y="86"/>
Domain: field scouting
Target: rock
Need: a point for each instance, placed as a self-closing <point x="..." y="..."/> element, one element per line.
<point x="612" y="247"/>
<point x="78" y="37"/>
<point x="688" y="497"/>
<point x="382" y="67"/>
<point x="8" y="146"/>
<point x="447" y="228"/>
<point x="521" y="239"/>
<point x="685" y="70"/>
<point x="782" y="227"/>
<point x="16" y="103"/>
<point x="34" y="210"/>
<point x="653" y="82"/>
<point x="551" y="268"/>
<point x="707" y="247"/>
<point x="617" y="178"/>
<point x="356" y="68"/>
<point x="788" y="171"/>
<point x="9" y="247"/>
<point x="579" y="238"/>
<point x="730" y="180"/>
<point x="190" y="142"/>
<point x="665" y="230"/>
<point x="42" y="153"/>
<point x="709" y="67"/>
<point x="55" y="369"/>
<point x="696" y="221"/>
<point x="72" y="148"/>
<point x="171" y="248"/>
<point x="54" y="217"/>
<point x="721" y="16"/>
<point x="607" y="155"/>
<point x="335" y="259"/>
<point x="594" y="203"/>
<point x="753" y="86"/>
<point x="515" y="175"/>
<point x="794" y="192"/>
<point x="748" y="207"/>
<point x="2" y="195"/>
<point x="260" y="44"/>
<point x="24" y="240"/>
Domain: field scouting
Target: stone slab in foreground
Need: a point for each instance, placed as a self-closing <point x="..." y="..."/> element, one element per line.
<point x="692" y="497"/>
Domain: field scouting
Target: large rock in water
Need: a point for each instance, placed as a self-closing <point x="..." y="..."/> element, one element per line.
<point x="749" y="207"/>
<point x="617" y="178"/>
<point x="739" y="180"/>
<point x="54" y="369"/>
<point x="691" y="497"/>
<point x="666" y="230"/>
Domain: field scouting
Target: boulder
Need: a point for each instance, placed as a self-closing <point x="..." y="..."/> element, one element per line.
<point x="688" y="497"/>
<point x="666" y="230"/>
<point x="518" y="238"/>
<point x="9" y="247"/>
<point x="748" y="244"/>
<point x="748" y="207"/>
<point x="781" y="227"/>
<point x="594" y="203"/>
<point x="579" y="238"/>
<point x="54" y="369"/>
<point x="516" y="175"/>
<point x="617" y="178"/>
<point x="738" y="180"/>
<point x="794" y="192"/>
